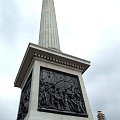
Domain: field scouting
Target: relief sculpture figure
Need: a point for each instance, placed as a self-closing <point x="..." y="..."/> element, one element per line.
<point x="60" y="92"/>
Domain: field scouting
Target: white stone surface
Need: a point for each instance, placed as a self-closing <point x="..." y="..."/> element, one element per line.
<point x="48" y="36"/>
<point x="33" y="114"/>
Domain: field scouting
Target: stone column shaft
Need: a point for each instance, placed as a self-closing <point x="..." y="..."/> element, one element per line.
<point x="48" y="36"/>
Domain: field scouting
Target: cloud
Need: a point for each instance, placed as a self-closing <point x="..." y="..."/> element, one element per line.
<point x="87" y="29"/>
<point x="9" y="99"/>
<point x="10" y="19"/>
<point x="103" y="81"/>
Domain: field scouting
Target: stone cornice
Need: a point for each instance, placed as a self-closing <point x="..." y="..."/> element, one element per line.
<point x="35" y="51"/>
<point x="59" y="61"/>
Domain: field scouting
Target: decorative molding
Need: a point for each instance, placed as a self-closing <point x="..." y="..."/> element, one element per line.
<point x="58" y="61"/>
<point x="35" y="51"/>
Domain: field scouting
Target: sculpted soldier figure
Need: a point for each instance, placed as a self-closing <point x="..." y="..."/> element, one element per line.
<point x="59" y="98"/>
<point x="60" y="92"/>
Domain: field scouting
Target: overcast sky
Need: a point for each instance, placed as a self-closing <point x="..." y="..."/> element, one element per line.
<point x="89" y="29"/>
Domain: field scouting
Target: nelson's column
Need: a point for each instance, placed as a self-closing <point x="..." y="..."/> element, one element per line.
<point x="51" y="81"/>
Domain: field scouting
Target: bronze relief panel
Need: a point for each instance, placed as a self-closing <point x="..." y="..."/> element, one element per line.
<point x="61" y="93"/>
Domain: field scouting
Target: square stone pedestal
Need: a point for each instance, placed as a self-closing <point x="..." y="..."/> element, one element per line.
<point x="52" y="86"/>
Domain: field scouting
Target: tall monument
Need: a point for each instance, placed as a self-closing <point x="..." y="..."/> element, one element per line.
<point x="51" y="81"/>
<point x="48" y="36"/>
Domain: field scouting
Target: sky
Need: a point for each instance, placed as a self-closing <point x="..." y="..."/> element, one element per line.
<point x="88" y="29"/>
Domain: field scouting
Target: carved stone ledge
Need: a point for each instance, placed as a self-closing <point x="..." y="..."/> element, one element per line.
<point x="49" y="55"/>
<point x="58" y="61"/>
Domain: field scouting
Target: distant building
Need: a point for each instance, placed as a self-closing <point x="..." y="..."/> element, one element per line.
<point x="100" y="115"/>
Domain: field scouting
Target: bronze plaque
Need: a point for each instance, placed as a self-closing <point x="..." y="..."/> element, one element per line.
<point x="61" y="93"/>
<point x="24" y="100"/>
